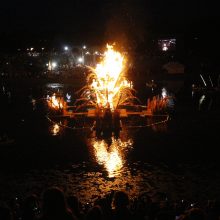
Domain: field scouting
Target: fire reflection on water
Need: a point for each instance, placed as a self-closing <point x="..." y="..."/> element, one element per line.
<point x="111" y="155"/>
<point x="55" y="129"/>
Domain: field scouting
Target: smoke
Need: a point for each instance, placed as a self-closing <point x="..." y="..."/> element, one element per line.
<point x="126" y="23"/>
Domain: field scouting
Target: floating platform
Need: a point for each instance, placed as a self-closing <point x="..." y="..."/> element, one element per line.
<point x="92" y="113"/>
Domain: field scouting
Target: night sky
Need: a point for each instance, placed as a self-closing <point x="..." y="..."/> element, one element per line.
<point x="94" y="21"/>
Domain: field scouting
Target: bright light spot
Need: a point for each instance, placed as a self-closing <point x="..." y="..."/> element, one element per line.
<point x="31" y="49"/>
<point x="54" y="64"/>
<point x="84" y="47"/>
<point x="87" y="52"/>
<point x="164" y="48"/>
<point x="80" y="59"/>
<point x="164" y="93"/>
<point x="203" y="80"/>
<point x="201" y="100"/>
<point x="51" y="65"/>
<point x="55" y="129"/>
<point x="68" y="97"/>
<point x="66" y="48"/>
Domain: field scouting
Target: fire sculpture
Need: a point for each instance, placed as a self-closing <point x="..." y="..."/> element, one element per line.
<point x="106" y="96"/>
<point x="105" y="99"/>
<point x="107" y="89"/>
<point x="107" y="85"/>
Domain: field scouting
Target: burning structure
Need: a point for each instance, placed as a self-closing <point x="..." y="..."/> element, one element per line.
<point x="107" y="97"/>
<point x="107" y="90"/>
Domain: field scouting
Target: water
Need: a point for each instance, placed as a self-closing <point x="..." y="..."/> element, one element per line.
<point x="178" y="158"/>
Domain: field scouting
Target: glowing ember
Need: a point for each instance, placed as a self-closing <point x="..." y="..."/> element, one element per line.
<point x="55" y="102"/>
<point x="55" y="129"/>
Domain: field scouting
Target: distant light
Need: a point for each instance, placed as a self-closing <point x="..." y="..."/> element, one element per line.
<point x="203" y="80"/>
<point x="96" y="53"/>
<point x="51" y="65"/>
<point x="84" y="47"/>
<point x="68" y="97"/>
<point x="42" y="48"/>
<point x="167" y="44"/>
<point x="87" y="52"/>
<point x="201" y="100"/>
<point x="164" y="48"/>
<point x="164" y="93"/>
<point x="54" y="64"/>
<point x="80" y="59"/>
<point x="66" y="48"/>
<point x="55" y="129"/>
<point x="31" y="49"/>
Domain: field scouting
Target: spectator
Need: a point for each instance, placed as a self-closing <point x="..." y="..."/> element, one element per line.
<point x="54" y="206"/>
<point x="193" y="214"/>
<point x="120" y="203"/>
<point x="5" y="213"/>
<point x="31" y="208"/>
<point x="95" y="213"/>
<point x="74" y="205"/>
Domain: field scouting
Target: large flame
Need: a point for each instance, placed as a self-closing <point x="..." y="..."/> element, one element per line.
<point x="109" y="79"/>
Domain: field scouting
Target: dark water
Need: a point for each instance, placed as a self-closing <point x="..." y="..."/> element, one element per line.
<point x="179" y="157"/>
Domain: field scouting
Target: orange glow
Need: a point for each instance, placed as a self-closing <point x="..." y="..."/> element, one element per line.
<point x="111" y="156"/>
<point x="109" y="78"/>
<point x="55" y="129"/>
<point x="54" y="102"/>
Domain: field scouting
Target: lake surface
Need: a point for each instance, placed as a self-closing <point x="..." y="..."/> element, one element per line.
<point x="178" y="158"/>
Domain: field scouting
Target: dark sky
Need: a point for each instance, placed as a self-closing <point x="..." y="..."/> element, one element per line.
<point x="84" y="20"/>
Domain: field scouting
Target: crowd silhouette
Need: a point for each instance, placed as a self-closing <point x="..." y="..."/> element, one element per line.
<point x="55" y="205"/>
